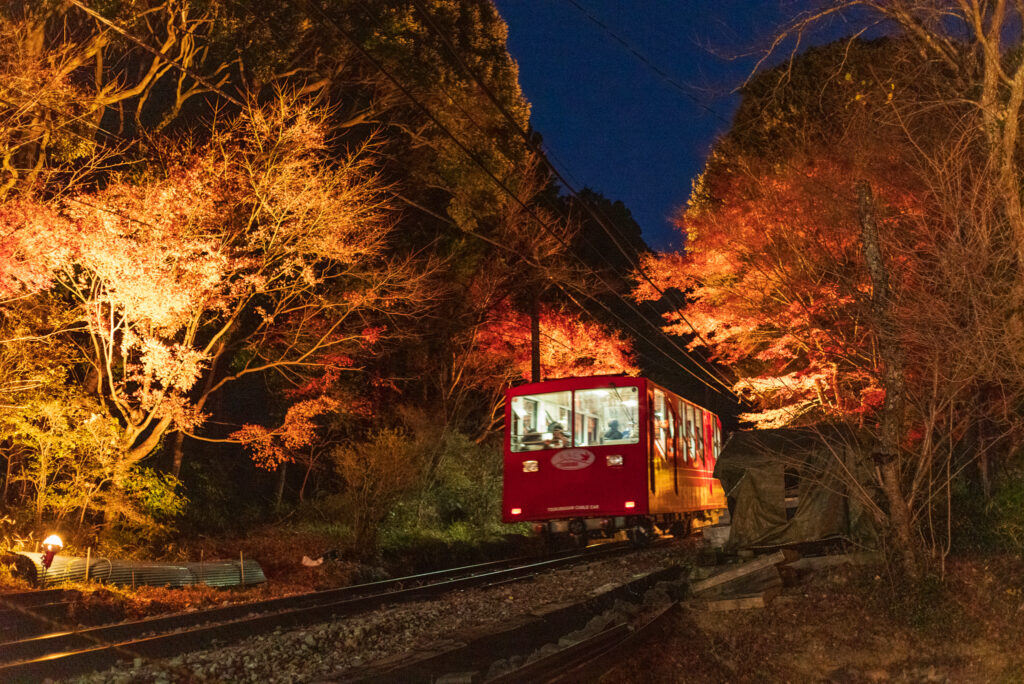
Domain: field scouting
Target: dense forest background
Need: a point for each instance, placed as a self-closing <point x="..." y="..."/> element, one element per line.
<point x="260" y="258"/>
<point x="277" y="261"/>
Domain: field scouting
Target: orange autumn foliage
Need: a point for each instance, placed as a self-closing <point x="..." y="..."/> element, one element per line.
<point x="777" y="288"/>
<point x="230" y="250"/>
<point x="569" y="345"/>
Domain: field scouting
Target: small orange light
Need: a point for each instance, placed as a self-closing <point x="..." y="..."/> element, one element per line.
<point x="517" y="511"/>
<point x="631" y="504"/>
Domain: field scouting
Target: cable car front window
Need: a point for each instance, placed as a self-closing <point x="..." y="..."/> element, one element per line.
<point x="608" y="415"/>
<point x="541" y="421"/>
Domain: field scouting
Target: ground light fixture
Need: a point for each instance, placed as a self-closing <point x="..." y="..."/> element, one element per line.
<point x="51" y="545"/>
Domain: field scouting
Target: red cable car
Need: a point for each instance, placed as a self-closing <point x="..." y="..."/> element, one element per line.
<point x="592" y="455"/>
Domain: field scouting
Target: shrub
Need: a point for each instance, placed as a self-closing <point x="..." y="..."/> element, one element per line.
<point x="1006" y="511"/>
<point x="377" y="472"/>
<point x="993" y="525"/>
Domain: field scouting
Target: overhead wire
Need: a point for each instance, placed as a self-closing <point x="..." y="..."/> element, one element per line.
<point x="412" y="98"/>
<point x="602" y="221"/>
<point x="501" y="184"/>
<point x="623" y="321"/>
<point x="665" y="76"/>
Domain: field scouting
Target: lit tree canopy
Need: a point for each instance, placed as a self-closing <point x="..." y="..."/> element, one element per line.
<point x="253" y="248"/>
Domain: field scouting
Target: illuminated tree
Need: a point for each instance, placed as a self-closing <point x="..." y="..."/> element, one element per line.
<point x="153" y="274"/>
<point x="850" y="263"/>
<point x="251" y="255"/>
<point x="570" y="346"/>
<point x="74" y="86"/>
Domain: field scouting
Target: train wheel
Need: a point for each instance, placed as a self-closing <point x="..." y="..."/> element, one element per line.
<point x="641" y="534"/>
<point x="682" y="528"/>
<point x="578" y="534"/>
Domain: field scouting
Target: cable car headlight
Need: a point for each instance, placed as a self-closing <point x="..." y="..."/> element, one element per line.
<point x="531" y="466"/>
<point x="614" y="459"/>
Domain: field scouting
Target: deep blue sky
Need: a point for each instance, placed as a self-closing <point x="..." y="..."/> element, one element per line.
<point x="613" y="124"/>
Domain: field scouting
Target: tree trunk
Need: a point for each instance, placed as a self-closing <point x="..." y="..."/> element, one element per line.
<point x="177" y="453"/>
<point x="305" y="479"/>
<point x="282" y="472"/>
<point x="146" y="446"/>
<point x="892" y="378"/>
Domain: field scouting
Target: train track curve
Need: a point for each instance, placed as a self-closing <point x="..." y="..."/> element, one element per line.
<point x="65" y="653"/>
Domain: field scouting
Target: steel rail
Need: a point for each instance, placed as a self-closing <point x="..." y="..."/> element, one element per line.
<point x="19" y="622"/>
<point x="27" y="613"/>
<point x="71" y="639"/>
<point x="28" y="599"/>
<point x="69" y="653"/>
<point x="547" y="668"/>
<point x="587" y="660"/>
<point x="469" y="659"/>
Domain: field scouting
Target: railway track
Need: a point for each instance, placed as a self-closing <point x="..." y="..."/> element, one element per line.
<point x="588" y="659"/>
<point x="580" y="656"/>
<point x="28" y="613"/>
<point x="68" y="653"/>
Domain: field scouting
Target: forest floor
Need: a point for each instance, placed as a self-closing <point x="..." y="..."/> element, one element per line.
<point x="841" y="624"/>
<point x="851" y="625"/>
<point x="279" y="552"/>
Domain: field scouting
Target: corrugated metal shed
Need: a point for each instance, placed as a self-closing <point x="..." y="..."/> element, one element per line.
<point x="223" y="573"/>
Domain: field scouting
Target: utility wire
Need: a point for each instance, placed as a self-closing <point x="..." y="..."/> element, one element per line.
<point x="586" y="267"/>
<point x="602" y="221"/>
<point x="444" y="129"/>
<point x="412" y="98"/>
<point x="623" y="321"/>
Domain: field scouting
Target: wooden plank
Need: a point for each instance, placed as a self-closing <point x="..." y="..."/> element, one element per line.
<point x="760" y="600"/>
<point x="739" y="571"/>
<point x="818" y="562"/>
<point x="753" y="583"/>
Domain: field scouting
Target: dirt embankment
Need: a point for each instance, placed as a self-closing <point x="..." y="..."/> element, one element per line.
<point x="851" y="625"/>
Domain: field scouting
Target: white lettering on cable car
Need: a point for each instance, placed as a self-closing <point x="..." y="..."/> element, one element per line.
<point x="572" y="459"/>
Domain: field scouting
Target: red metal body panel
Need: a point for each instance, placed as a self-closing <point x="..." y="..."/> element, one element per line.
<point x="591" y="491"/>
<point x="578" y="482"/>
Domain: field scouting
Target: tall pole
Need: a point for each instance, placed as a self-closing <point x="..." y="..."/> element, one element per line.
<point x="535" y="342"/>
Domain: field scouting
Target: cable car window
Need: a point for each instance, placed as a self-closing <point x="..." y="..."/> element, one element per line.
<point x="670" y="431"/>
<point x="660" y="424"/>
<point x="611" y="415"/>
<point x="718" y="439"/>
<point x="541" y="421"/>
<point x="689" y="433"/>
<point x="698" y="426"/>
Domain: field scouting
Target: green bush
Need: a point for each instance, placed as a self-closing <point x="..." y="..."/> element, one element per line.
<point x="157" y="495"/>
<point x="1006" y="512"/>
<point x="993" y="525"/>
<point x="464" y="493"/>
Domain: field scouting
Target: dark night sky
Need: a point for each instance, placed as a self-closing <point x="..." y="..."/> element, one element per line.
<point x="610" y="122"/>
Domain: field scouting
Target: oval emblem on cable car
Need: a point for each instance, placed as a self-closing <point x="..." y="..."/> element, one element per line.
<point x="572" y="459"/>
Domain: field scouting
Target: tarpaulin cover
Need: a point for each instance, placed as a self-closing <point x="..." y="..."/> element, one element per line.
<point x="221" y="573"/>
<point x="825" y="471"/>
